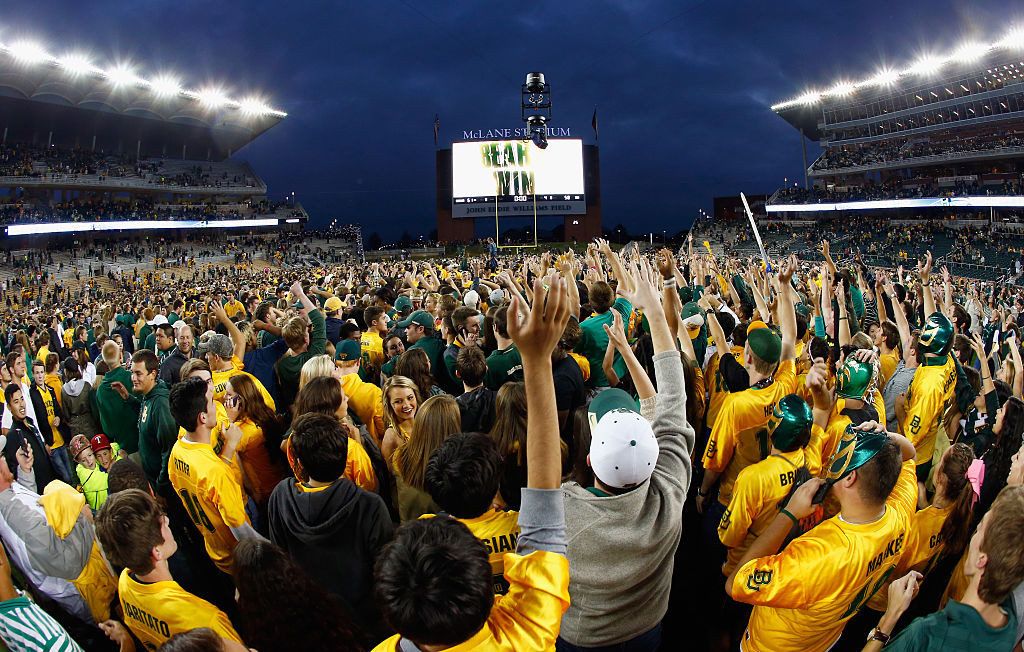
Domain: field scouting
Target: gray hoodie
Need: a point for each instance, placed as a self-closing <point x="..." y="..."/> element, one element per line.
<point x="79" y="408"/>
<point x="621" y="548"/>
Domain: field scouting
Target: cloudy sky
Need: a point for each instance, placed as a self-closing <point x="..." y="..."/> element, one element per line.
<point x="682" y="88"/>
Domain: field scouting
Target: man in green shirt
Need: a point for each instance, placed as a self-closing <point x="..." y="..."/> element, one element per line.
<point x="301" y="346"/>
<point x="986" y="618"/>
<point x="157" y="429"/>
<point x="594" y="340"/>
<point x="419" y="333"/>
<point x="118" y="417"/>
<point x="504" y="364"/>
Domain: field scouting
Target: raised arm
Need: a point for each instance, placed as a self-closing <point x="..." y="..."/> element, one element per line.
<point x="237" y="339"/>
<point x="625" y="281"/>
<point x="844" y="317"/>
<point x="617" y="340"/>
<point x="901" y="318"/>
<point x="536" y="334"/>
<point x="787" y="314"/>
<point x="924" y="270"/>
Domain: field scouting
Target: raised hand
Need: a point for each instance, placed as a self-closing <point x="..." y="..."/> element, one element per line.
<point x="617" y="332"/>
<point x="924" y="267"/>
<point x="536" y="330"/>
<point x="646" y="297"/>
<point x="666" y="264"/>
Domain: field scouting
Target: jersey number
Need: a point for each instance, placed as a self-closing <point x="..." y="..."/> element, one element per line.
<point x="764" y="441"/>
<point x="865" y="595"/>
<point x="195" y="510"/>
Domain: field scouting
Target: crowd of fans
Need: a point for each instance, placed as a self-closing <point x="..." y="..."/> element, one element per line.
<point x="49" y="161"/>
<point x="902" y="149"/>
<point x="103" y="210"/>
<point x="597" y="451"/>
<point x="895" y="189"/>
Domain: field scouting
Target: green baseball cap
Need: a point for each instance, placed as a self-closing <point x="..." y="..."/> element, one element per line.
<point x="421" y="317"/>
<point x="403" y="304"/>
<point x="765" y="344"/>
<point x="348" y="350"/>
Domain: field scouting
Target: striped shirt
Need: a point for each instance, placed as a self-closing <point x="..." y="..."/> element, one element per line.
<point x="25" y="627"/>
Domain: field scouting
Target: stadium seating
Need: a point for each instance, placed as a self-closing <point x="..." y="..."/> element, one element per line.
<point x="902" y="150"/>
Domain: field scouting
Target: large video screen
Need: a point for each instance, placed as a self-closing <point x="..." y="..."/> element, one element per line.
<point x="515" y="178"/>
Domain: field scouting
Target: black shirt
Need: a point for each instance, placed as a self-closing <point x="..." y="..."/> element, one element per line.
<point x="477" y="409"/>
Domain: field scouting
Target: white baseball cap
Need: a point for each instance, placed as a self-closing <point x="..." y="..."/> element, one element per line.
<point x="623" y="448"/>
<point x="472" y="299"/>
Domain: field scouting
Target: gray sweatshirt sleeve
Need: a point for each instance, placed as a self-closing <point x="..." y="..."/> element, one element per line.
<point x="541" y="521"/>
<point x="48" y="553"/>
<point x="674" y="433"/>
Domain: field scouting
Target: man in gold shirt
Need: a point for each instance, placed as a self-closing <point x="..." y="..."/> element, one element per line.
<point x="739" y="436"/>
<point x="134" y="533"/>
<point x="853" y="554"/>
<point x="205" y="483"/>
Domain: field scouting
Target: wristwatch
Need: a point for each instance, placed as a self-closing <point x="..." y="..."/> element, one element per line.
<point x="878" y="635"/>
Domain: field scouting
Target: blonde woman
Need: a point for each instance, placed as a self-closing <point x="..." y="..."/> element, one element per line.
<point x="318" y="365"/>
<point x="401" y="397"/>
<point x="436" y="420"/>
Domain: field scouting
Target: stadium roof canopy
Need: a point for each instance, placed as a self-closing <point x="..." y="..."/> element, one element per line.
<point x="71" y="100"/>
<point x="1003" y="61"/>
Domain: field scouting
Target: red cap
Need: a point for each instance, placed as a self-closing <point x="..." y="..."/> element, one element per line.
<point x="99" y="442"/>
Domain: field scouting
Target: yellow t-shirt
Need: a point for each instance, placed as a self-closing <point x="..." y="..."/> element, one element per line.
<point x="212" y="496"/>
<point x="498" y="530"/>
<point x="57" y="386"/>
<point x="232" y="308"/>
<point x="157" y="611"/>
<point x="42" y="353"/>
<point x="887" y="363"/>
<point x="359" y="468"/>
<point x="715" y="385"/>
<point x="48" y="401"/>
<point x="791" y="612"/>
<point x="373" y="349"/>
<point x="222" y="376"/>
<point x="255" y="460"/>
<point x="755" y="503"/>
<point x="739" y="436"/>
<point x="922" y="550"/>
<point x="930" y="393"/>
<point x="528" y="618"/>
<point x="365" y="400"/>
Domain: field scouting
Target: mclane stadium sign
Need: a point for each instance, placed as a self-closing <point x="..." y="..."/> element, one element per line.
<point x="513" y="133"/>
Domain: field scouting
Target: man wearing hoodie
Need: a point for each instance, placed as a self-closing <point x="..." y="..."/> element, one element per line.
<point x="157" y="429"/>
<point x="118" y="416"/>
<point x="330" y="526"/>
<point x="619" y="581"/>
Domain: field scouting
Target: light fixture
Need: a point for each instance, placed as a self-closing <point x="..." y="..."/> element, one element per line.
<point x="971" y="52"/>
<point x="165" y="86"/>
<point x="28" y="52"/>
<point x="253" y="106"/>
<point x="77" y="64"/>
<point x="121" y="76"/>
<point x="926" y="66"/>
<point x="536" y="107"/>
<point x="212" y="97"/>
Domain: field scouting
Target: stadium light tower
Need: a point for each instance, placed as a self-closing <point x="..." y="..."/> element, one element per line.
<point x="536" y="94"/>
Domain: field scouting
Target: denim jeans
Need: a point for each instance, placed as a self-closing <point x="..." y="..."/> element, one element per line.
<point x="649" y="641"/>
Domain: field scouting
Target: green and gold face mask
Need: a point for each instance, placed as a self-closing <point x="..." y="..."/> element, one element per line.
<point x="855" y="450"/>
<point x="790" y="419"/>
<point x="854" y="379"/>
<point x="936" y="334"/>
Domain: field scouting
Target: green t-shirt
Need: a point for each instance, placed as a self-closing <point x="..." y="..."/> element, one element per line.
<point x="957" y="628"/>
<point x="435" y="351"/>
<point x="594" y="342"/>
<point x="504" y="366"/>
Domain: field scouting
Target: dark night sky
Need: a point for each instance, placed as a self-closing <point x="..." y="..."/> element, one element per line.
<point x="683" y="88"/>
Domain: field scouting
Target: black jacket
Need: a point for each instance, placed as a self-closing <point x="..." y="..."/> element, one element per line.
<point x="170" y="368"/>
<point x="335" y="534"/>
<point x="36" y="394"/>
<point x="26" y="431"/>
